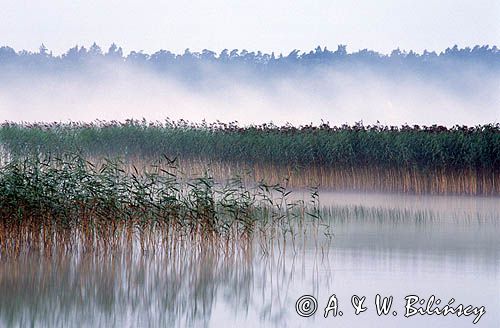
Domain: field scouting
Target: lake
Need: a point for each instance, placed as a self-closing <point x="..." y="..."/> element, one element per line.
<point x="368" y="244"/>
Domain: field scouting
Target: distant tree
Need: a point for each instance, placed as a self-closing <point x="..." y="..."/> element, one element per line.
<point x="7" y="54"/>
<point x="114" y="52"/>
<point x="293" y="55"/>
<point x="137" y="57"/>
<point x="42" y="50"/>
<point x="234" y="54"/>
<point x="341" y="50"/>
<point x="208" y="55"/>
<point x="224" y="55"/>
<point x="95" y="50"/>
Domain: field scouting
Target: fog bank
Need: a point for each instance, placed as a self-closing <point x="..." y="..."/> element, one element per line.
<point x="339" y="94"/>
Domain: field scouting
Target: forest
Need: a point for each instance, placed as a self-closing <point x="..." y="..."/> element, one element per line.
<point x="191" y="65"/>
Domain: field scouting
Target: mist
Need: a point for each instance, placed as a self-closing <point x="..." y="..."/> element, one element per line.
<point x="343" y="94"/>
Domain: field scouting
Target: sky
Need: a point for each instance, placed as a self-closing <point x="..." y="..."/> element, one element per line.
<point x="277" y="25"/>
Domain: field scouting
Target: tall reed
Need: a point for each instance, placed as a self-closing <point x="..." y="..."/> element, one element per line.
<point x="68" y="202"/>
<point x="407" y="158"/>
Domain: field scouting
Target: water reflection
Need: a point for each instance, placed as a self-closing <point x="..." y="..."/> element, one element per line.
<point x="386" y="244"/>
<point x="131" y="288"/>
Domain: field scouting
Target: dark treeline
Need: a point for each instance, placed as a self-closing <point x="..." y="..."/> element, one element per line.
<point x="193" y="65"/>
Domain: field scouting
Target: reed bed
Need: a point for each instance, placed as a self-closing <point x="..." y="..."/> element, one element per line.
<point x="70" y="204"/>
<point x="417" y="159"/>
<point x="399" y="180"/>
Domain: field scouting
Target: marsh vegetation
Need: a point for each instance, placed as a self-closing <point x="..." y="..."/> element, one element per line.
<point x="69" y="204"/>
<point x="413" y="159"/>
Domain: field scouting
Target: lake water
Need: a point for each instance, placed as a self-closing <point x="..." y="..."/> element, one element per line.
<point x="392" y="245"/>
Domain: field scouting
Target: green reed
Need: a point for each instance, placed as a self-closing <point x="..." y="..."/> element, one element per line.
<point x="407" y="158"/>
<point x="431" y="147"/>
<point x="70" y="201"/>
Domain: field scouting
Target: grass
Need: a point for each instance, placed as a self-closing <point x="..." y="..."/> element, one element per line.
<point x="435" y="159"/>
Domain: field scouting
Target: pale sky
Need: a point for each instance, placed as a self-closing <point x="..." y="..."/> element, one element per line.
<point x="270" y="25"/>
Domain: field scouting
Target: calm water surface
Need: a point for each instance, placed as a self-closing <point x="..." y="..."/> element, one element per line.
<point x="393" y="245"/>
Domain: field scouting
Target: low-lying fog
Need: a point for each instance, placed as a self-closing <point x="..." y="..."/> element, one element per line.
<point x="335" y="95"/>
